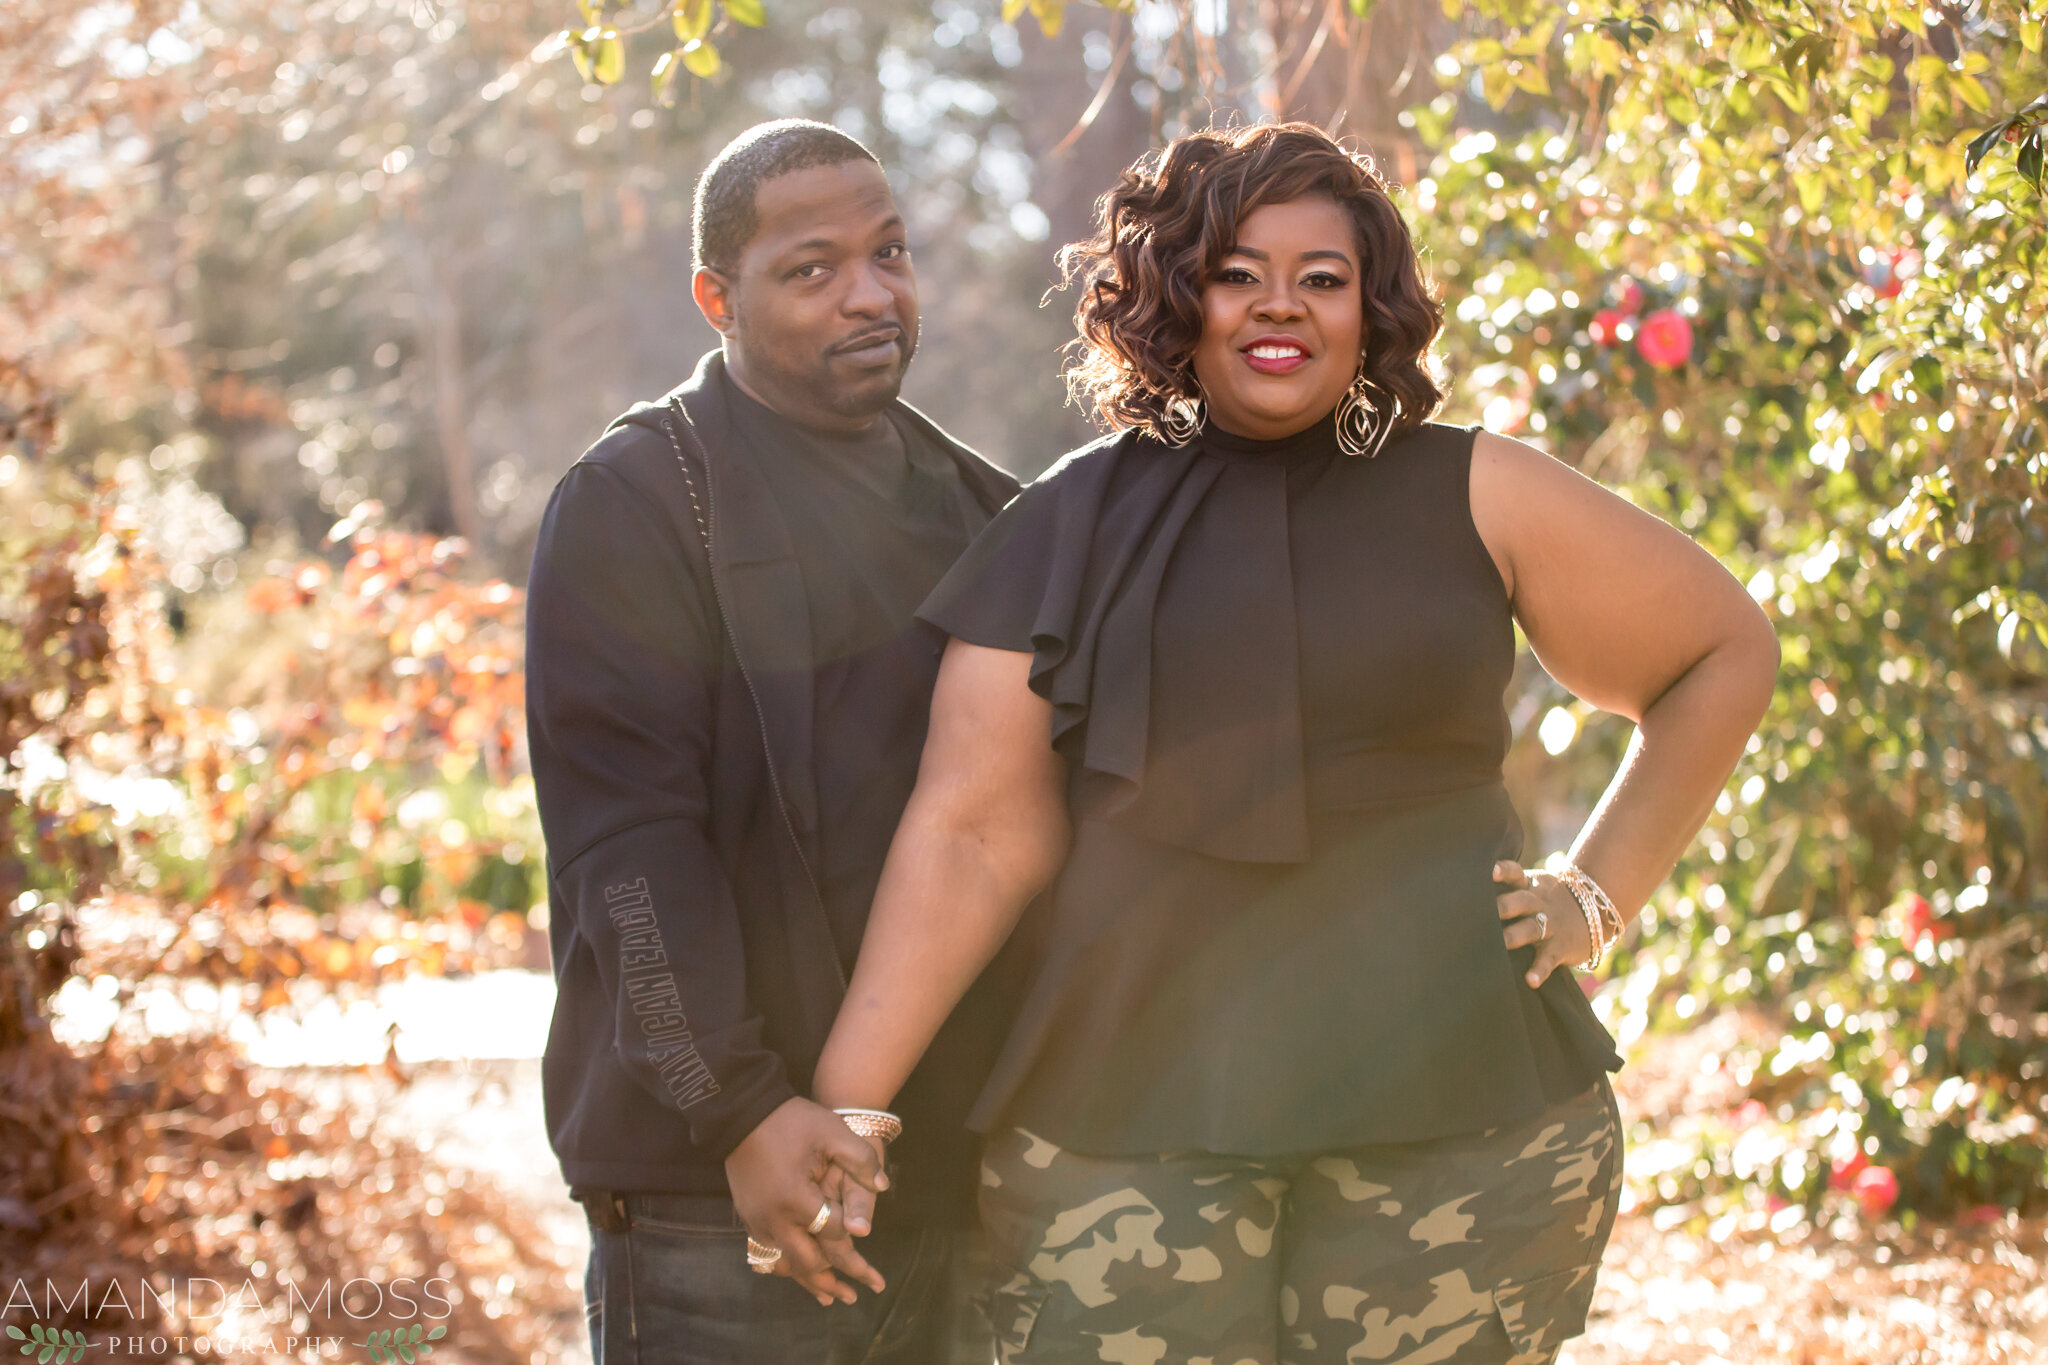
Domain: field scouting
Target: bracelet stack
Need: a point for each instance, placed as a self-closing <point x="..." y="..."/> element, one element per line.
<point x="879" y="1124"/>
<point x="1603" y="920"/>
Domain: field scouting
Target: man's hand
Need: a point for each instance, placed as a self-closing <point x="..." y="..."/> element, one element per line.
<point x="778" y="1175"/>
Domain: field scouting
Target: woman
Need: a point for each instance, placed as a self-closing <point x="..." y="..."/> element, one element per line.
<point x="1297" y="1076"/>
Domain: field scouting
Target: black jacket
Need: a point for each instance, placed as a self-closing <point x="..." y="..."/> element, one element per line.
<point x="669" y="706"/>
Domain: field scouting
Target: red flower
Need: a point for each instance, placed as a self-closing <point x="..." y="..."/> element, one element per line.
<point x="1916" y="919"/>
<point x="1981" y="1214"/>
<point x="1631" y="295"/>
<point x="1887" y="273"/>
<point x="1606" y="328"/>
<point x="1665" y="339"/>
<point x="1876" y="1189"/>
<point x="1842" y="1175"/>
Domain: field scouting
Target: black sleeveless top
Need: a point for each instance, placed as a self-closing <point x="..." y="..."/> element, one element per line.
<point x="1276" y="674"/>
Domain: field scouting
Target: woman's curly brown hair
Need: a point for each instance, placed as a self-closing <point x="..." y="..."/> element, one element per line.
<point x="1166" y="226"/>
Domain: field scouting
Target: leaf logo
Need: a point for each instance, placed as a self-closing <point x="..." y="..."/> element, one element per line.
<point x="50" y="1343"/>
<point x="402" y="1344"/>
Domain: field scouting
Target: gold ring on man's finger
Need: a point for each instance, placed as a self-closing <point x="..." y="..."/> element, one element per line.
<point x="1542" y="925"/>
<point x="823" y="1217"/>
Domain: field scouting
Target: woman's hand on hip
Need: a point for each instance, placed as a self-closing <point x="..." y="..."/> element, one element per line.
<point x="1537" y="908"/>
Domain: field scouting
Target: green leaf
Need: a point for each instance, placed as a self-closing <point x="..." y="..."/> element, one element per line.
<point x="1981" y="145"/>
<point x="415" y="1333"/>
<point x="1792" y="55"/>
<point x="1812" y="190"/>
<point x="702" y="59"/>
<point x="748" y="12"/>
<point x="1496" y="85"/>
<point x="16" y="1332"/>
<point x="1974" y="94"/>
<point x="2030" y="161"/>
<point x="1926" y="70"/>
<point x="43" y="1356"/>
<point x="1752" y="48"/>
<point x="1928" y="380"/>
<point x="599" y="54"/>
<point x="1631" y="33"/>
<point x="665" y="68"/>
<point x="1051" y="16"/>
<point x="693" y="19"/>
<point x="438" y="1332"/>
<point x="2030" y="35"/>
<point x="404" y="1349"/>
<point x="610" y="61"/>
<point x="1530" y="76"/>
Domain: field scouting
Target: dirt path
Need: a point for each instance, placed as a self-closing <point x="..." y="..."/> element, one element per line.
<point x="480" y="1121"/>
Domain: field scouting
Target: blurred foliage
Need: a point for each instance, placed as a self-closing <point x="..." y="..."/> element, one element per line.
<point x="355" y="250"/>
<point x="1778" y="273"/>
<point x="368" y="757"/>
<point x="349" y="811"/>
<point x="598" y="44"/>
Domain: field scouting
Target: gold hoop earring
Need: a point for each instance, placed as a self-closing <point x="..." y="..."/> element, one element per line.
<point x="1182" y="420"/>
<point x="1362" y="426"/>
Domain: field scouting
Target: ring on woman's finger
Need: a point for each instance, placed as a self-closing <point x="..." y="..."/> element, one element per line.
<point x="761" y="1257"/>
<point x="1542" y="925"/>
<point x="824" y="1216"/>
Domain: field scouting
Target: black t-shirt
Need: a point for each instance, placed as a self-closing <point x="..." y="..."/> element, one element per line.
<point x="876" y="519"/>
<point x="1277" y="673"/>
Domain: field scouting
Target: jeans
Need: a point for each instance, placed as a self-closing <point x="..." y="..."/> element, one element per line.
<point x="671" y="1287"/>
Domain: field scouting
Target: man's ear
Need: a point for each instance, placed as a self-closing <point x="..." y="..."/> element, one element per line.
<point x="714" y="295"/>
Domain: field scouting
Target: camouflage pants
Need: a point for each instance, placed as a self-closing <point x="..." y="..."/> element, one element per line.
<point x="1477" y="1248"/>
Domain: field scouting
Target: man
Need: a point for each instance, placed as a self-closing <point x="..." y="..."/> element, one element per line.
<point x="727" y="698"/>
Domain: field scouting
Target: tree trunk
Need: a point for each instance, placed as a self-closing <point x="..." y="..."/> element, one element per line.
<point x="440" y="321"/>
<point x="1354" y="76"/>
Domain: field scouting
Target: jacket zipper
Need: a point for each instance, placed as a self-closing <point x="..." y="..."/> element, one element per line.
<point x="747" y="678"/>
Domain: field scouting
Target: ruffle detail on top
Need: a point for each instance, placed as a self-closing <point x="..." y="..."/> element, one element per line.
<point x="1175" y="696"/>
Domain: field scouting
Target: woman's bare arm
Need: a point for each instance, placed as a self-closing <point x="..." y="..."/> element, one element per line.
<point x="985" y="831"/>
<point x="1630" y="615"/>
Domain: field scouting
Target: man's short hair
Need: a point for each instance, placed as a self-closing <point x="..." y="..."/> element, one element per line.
<point x="724" y="212"/>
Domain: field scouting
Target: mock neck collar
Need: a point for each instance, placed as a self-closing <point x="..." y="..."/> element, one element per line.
<point x="1317" y="439"/>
